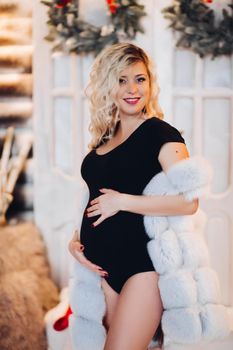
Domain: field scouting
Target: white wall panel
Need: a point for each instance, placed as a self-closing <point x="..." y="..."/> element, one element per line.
<point x="63" y="145"/>
<point x="219" y="230"/>
<point x="146" y="40"/>
<point x="216" y="140"/>
<point x="183" y="119"/>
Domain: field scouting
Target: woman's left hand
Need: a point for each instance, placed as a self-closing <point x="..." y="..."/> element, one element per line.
<point x="106" y="205"/>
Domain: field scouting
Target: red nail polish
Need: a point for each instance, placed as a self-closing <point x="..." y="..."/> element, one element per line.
<point x="92" y="225"/>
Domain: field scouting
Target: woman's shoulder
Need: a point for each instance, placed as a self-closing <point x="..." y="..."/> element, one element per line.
<point x="160" y="131"/>
<point x="161" y="124"/>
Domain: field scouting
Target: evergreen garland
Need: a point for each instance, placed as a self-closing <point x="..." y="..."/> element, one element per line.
<point x="199" y="30"/>
<point x="69" y="33"/>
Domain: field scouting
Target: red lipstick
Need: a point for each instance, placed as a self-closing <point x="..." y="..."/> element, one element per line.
<point x="132" y="100"/>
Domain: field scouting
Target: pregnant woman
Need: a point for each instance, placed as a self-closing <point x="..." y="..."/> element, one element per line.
<point x="130" y="144"/>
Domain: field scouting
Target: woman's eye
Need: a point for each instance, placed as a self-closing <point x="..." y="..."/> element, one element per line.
<point x="122" y="81"/>
<point x="141" y="79"/>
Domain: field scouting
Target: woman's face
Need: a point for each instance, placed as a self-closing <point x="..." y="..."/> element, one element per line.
<point x="134" y="90"/>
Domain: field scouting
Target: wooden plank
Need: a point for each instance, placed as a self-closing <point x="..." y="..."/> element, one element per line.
<point x="16" y="84"/>
<point x="15" y="30"/>
<point x="8" y="37"/>
<point x="19" y="137"/>
<point x="22" y="138"/>
<point x="16" y="109"/>
<point x="21" y="24"/>
<point x="27" y="172"/>
<point x="16" y="57"/>
<point x="15" y="7"/>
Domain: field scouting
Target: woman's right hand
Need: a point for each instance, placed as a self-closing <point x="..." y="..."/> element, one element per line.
<point x="76" y="249"/>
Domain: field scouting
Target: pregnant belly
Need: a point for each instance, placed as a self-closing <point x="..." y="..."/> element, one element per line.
<point x="114" y="238"/>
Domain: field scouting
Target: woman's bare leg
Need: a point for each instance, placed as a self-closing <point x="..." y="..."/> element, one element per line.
<point x="111" y="298"/>
<point x="136" y="315"/>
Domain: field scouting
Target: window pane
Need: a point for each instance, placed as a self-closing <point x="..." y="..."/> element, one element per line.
<point x="61" y="71"/>
<point x="217" y="72"/>
<point x="184" y="68"/>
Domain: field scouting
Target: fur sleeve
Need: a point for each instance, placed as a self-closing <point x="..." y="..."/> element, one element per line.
<point x="191" y="176"/>
<point x="189" y="287"/>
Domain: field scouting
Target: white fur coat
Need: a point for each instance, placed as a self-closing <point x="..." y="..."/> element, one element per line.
<point x="188" y="286"/>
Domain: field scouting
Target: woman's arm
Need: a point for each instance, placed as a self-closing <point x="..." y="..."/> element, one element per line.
<point x="76" y="235"/>
<point x="110" y="202"/>
<point x="158" y="205"/>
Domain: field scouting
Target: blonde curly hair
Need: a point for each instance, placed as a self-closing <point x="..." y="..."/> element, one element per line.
<point x="104" y="83"/>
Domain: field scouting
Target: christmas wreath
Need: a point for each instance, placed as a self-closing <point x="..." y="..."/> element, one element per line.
<point x="69" y="33"/>
<point x="196" y="22"/>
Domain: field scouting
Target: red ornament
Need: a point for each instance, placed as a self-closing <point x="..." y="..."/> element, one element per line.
<point x="63" y="322"/>
<point x="62" y="3"/>
<point x="112" y="5"/>
<point x="208" y="1"/>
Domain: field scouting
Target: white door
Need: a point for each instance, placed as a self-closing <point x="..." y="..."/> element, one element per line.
<point x="197" y="96"/>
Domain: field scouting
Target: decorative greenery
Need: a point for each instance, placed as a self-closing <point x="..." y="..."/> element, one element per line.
<point x="199" y="31"/>
<point x="69" y="33"/>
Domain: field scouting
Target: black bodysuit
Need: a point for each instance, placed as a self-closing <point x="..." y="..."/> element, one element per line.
<point x="119" y="243"/>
